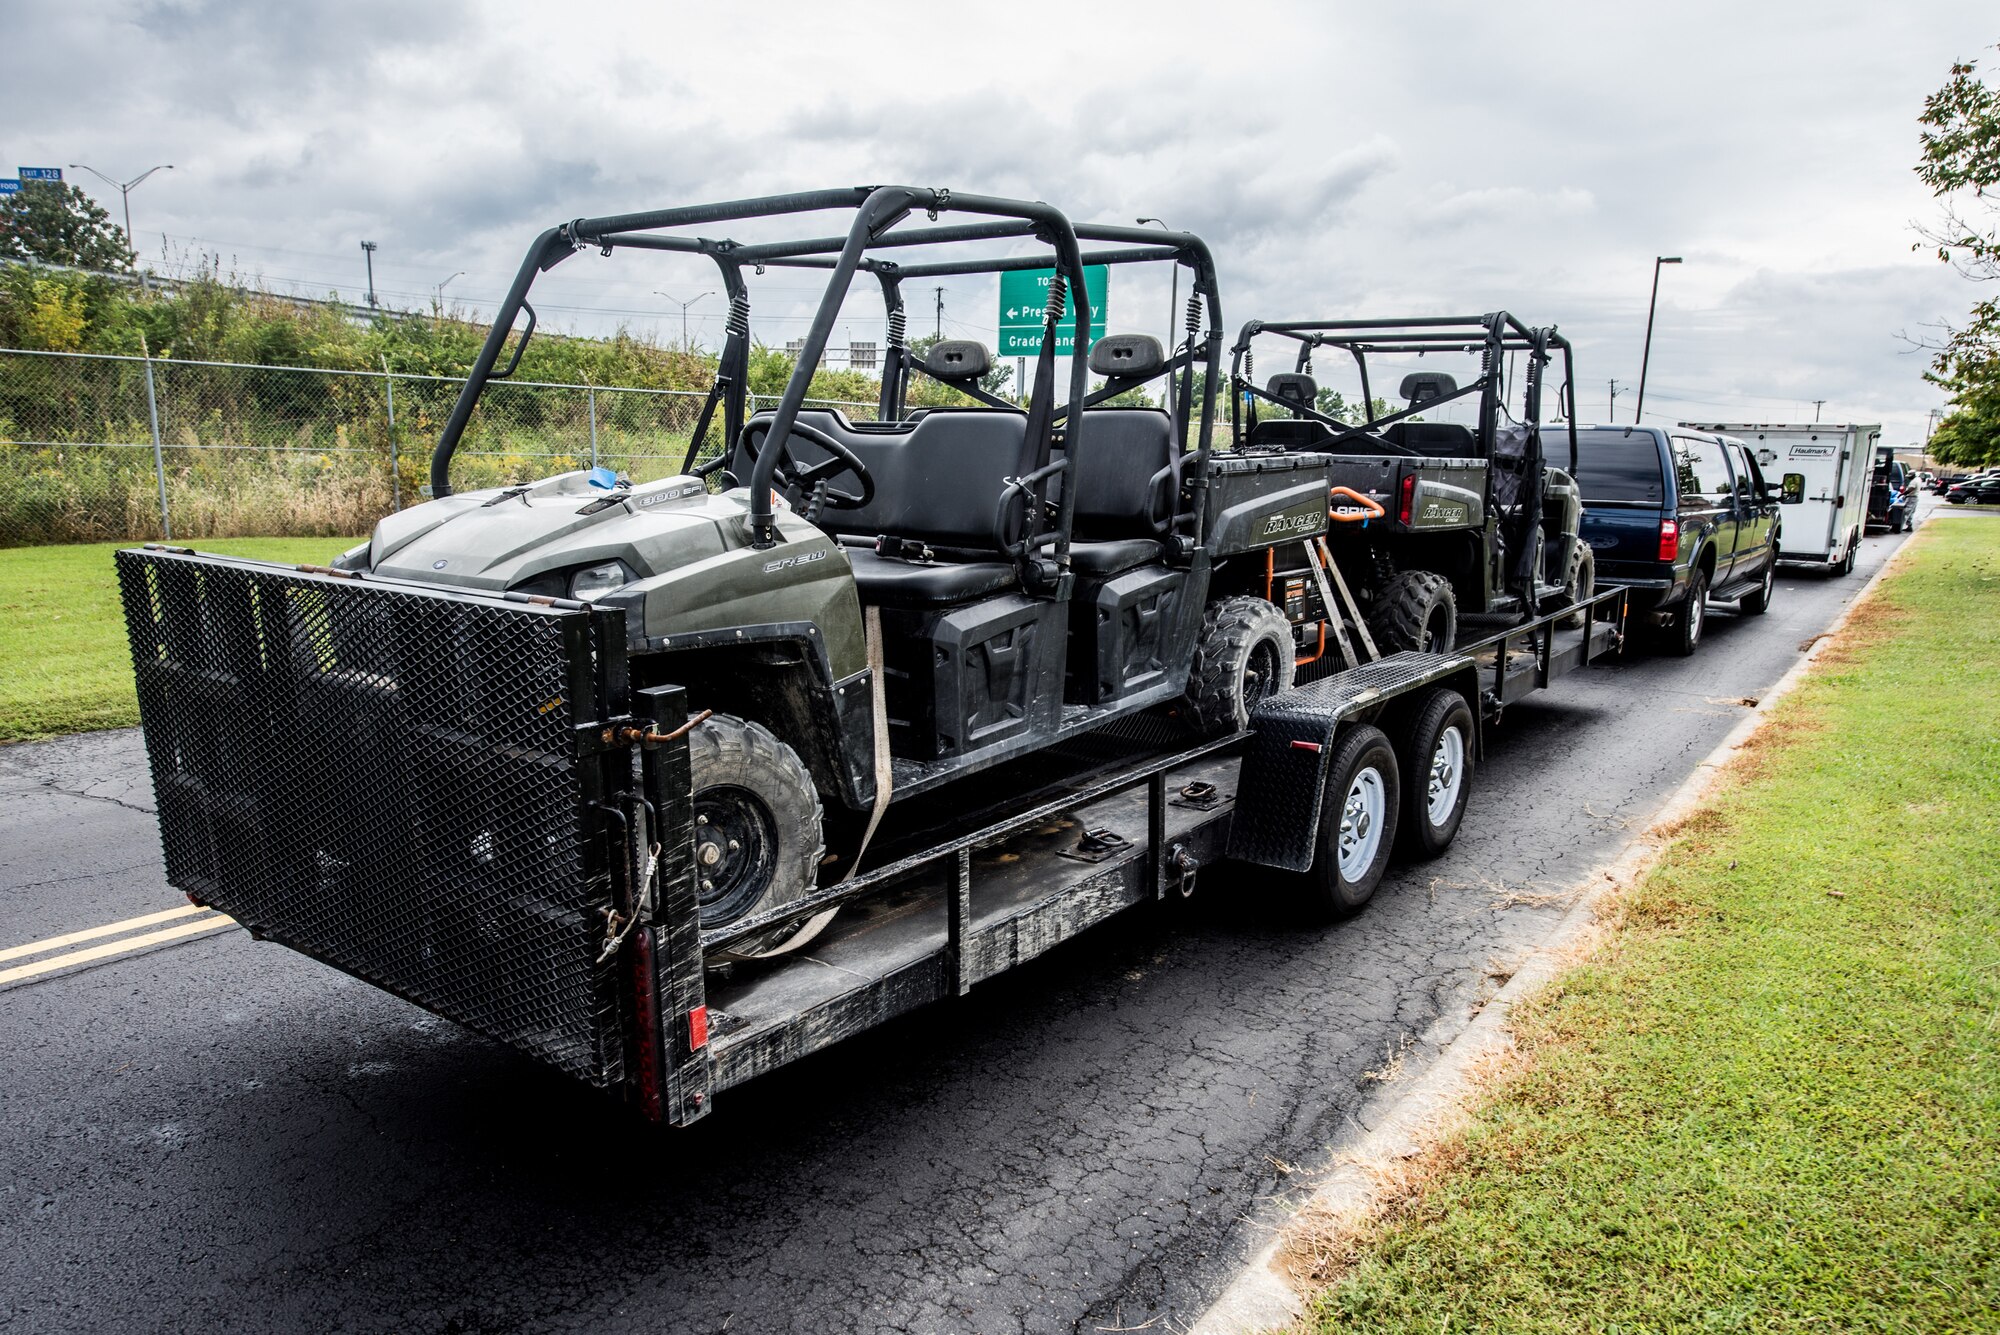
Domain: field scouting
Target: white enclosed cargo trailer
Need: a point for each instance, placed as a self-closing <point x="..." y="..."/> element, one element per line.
<point x="1821" y="470"/>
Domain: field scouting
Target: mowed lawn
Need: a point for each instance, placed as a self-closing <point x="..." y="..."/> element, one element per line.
<point x="1771" y="1102"/>
<point x="64" y="666"/>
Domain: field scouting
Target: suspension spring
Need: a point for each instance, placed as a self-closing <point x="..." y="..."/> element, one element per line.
<point x="1194" y="315"/>
<point x="898" y="326"/>
<point x="738" y="323"/>
<point x="1058" y="299"/>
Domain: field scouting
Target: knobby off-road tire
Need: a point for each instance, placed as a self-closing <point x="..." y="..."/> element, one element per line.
<point x="1415" y="610"/>
<point x="1579" y="582"/>
<point x="1684" y="631"/>
<point x="1758" y="601"/>
<point x="1243" y="657"/>
<point x="1357" y="826"/>
<point x="1436" y="753"/>
<point x="758" y="836"/>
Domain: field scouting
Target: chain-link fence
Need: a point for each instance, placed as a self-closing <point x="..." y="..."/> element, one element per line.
<point x="98" y="448"/>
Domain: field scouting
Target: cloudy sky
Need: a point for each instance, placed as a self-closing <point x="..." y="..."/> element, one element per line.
<point x="1341" y="159"/>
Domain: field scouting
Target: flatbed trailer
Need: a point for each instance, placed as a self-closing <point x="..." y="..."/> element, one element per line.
<point x="458" y="798"/>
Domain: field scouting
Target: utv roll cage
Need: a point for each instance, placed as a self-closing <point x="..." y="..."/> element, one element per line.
<point x="1491" y="336"/>
<point x="878" y="211"/>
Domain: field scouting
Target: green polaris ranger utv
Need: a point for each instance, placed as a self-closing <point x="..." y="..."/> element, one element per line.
<point x="862" y="611"/>
<point x="1445" y="506"/>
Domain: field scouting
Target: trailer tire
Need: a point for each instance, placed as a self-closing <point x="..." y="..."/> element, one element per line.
<point x="1243" y="656"/>
<point x="1579" y="583"/>
<point x="1436" y="756"/>
<point x="1416" y="610"/>
<point x="758" y="832"/>
<point x="1357" y="825"/>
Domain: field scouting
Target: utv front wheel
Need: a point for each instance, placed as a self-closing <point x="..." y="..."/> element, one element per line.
<point x="1244" y="657"/>
<point x="757" y="836"/>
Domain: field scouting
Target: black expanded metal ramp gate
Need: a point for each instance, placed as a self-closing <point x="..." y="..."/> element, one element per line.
<point x="391" y="780"/>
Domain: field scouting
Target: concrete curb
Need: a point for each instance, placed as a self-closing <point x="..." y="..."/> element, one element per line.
<point x="1259" y="1297"/>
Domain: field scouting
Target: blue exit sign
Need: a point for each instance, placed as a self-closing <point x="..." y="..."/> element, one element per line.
<point x="41" y="173"/>
<point x="9" y="185"/>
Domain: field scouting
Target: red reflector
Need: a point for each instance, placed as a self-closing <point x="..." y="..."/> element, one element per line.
<point x="1407" y="502"/>
<point x="1670" y="539"/>
<point x="1305" y="746"/>
<point x="697" y="1028"/>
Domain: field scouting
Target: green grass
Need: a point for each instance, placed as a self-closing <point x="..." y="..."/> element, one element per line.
<point x="1771" y="1101"/>
<point x="64" y="666"/>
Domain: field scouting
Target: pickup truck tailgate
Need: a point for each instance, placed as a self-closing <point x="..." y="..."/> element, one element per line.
<point x="1625" y="538"/>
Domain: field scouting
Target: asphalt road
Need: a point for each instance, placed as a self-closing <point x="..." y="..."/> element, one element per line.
<point x="220" y="1134"/>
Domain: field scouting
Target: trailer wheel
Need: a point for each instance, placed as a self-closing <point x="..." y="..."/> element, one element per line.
<point x="758" y="838"/>
<point x="1437" y="772"/>
<point x="1243" y="657"/>
<point x="1579" y="582"/>
<point x="1416" y="610"/>
<point x="1357" y="824"/>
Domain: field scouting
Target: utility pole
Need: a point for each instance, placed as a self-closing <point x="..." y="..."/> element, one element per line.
<point x="685" y="345"/>
<point x="1614" y="403"/>
<point x="368" y="249"/>
<point x="939" y="331"/>
<point x="1817" y="405"/>
<point x="1639" y="409"/>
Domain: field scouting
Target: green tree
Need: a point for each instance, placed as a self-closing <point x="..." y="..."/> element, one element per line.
<point x="1960" y="162"/>
<point x="59" y="224"/>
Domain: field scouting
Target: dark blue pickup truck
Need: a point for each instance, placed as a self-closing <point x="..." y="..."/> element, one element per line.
<point x="1677" y="517"/>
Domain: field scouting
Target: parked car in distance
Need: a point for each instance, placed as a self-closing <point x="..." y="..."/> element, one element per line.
<point x="1677" y="517"/>
<point x="1892" y="494"/>
<point x="1976" y="491"/>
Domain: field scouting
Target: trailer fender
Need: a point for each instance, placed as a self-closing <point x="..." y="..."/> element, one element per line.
<point x="1276" y="823"/>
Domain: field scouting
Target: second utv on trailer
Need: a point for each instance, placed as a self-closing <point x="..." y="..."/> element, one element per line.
<point x="1435" y="520"/>
<point x="866" y="610"/>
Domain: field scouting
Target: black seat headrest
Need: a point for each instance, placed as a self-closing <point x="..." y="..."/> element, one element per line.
<point x="1294" y="387"/>
<point x="1128" y="356"/>
<point x="958" y="359"/>
<point x="1423" y="386"/>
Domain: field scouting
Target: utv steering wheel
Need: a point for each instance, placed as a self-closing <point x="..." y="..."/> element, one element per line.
<point x="791" y="478"/>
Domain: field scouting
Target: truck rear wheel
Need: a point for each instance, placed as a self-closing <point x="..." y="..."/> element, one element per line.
<point x="1437" y="772"/>
<point x="1357" y="825"/>
<point x="758" y="838"/>
<point x="1244" y="656"/>
<point x="1415" y="610"/>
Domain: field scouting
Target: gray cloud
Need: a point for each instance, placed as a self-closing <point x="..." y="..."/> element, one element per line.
<point x="1419" y="158"/>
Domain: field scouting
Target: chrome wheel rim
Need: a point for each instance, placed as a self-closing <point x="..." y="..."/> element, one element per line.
<point x="1696" y="613"/>
<point x="1361" y="823"/>
<point x="1447" y="775"/>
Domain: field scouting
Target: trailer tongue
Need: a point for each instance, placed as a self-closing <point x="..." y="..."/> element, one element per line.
<point x="459" y="798"/>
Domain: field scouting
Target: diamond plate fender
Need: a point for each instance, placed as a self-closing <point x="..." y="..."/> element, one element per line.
<point x="1276" y="823"/>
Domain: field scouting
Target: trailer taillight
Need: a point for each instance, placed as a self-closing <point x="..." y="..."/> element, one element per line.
<point x="1670" y="539"/>
<point x="1408" y="499"/>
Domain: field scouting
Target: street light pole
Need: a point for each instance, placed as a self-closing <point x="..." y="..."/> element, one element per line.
<point x="1173" y="296"/>
<point x="684" y="311"/>
<point x="1640" y="409"/>
<point x="446" y="283"/>
<point x="124" y="188"/>
<point x="368" y="249"/>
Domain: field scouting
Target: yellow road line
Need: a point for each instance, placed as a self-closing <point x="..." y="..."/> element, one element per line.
<point x="92" y="933"/>
<point x="24" y="972"/>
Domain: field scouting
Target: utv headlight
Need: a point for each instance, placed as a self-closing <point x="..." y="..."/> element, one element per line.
<point x="596" y="581"/>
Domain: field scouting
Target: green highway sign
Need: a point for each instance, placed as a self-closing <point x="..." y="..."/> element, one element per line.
<point x="1024" y="297"/>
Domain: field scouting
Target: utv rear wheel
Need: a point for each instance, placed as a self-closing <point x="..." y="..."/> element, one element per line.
<point x="1244" y="657"/>
<point x="1437" y="775"/>
<point x="1415" y="610"/>
<point x="757" y="835"/>
<point x="1357" y="825"/>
